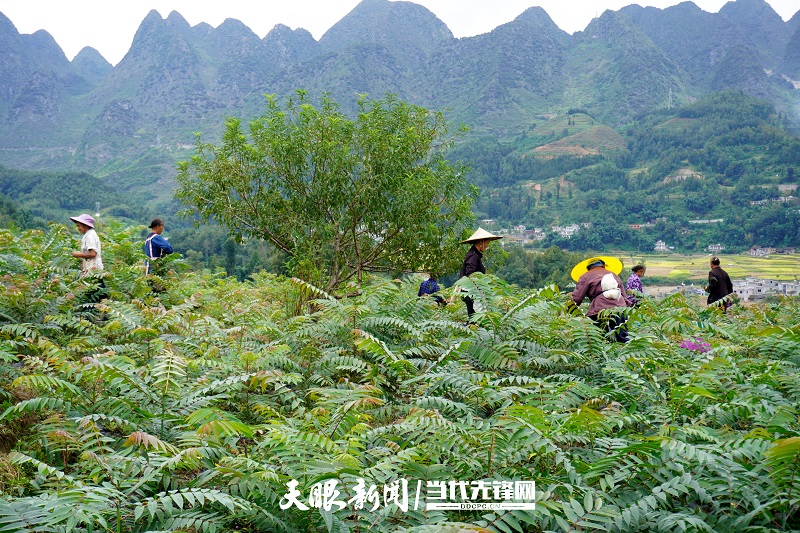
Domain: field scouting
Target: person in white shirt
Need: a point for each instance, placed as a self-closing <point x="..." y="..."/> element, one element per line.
<point x="90" y="244"/>
<point x="91" y="260"/>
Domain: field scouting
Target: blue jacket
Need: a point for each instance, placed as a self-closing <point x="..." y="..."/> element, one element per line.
<point x="155" y="246"/>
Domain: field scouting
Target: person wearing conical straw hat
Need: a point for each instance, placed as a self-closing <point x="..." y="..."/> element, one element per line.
<point x="473" y="261"/>
<point x="598" y="280"/>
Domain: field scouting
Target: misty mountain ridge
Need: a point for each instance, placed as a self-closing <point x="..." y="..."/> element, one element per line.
<point x="129" y="123"/>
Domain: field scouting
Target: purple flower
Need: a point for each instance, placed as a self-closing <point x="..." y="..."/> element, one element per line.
<point x="696" y="344"/>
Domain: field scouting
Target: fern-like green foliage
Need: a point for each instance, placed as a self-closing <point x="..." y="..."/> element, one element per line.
<point x="193" y="409"/>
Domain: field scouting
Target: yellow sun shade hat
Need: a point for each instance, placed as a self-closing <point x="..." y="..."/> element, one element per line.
<point x="481" y="235"/>
<point x="611" y="263"/>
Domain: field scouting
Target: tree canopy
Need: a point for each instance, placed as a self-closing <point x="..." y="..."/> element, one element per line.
<point x="338" y="195"/>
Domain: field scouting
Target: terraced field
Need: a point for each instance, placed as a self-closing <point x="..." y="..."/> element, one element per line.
<point x="739" y="266"/>
<point x="592" y="141"/>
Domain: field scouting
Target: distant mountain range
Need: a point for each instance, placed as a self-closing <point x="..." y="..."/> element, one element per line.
<point x="129" y="123"/>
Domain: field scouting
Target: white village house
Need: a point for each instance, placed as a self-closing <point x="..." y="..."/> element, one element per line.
<point x="751" y="289"/>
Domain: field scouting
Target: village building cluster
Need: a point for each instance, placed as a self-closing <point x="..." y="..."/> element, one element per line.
<point x="754" y="289"/>
<point x="762" y="251"/>
<point x="521" y="234"/>
<point x="768" y="201"/>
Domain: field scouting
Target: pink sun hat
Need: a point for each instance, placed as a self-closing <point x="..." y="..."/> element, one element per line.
<point x="84" y="219"/>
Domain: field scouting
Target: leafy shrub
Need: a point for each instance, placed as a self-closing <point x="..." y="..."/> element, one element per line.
<point x="193" y="409"/>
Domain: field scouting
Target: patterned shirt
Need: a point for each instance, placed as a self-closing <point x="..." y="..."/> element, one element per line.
<point x="634" y="284"/>
<point x="90" y="241"/>
<point x="429" y="286"/>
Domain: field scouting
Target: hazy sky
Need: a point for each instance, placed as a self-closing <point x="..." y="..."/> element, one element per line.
<point x="109" y="25"/>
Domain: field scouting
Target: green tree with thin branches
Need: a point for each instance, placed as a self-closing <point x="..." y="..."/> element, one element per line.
<point x="340" y="196"/>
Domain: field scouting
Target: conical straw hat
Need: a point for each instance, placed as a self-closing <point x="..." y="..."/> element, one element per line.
<point x="480" y="235"/>
<point x="612" y="263"/>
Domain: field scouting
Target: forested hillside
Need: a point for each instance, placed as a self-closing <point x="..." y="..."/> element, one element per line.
<point x="52" y="195"/>
<point x="727" y="156"/>
<point x="12" y="213"/>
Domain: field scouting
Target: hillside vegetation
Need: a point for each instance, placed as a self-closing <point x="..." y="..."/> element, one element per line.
<point x="598" y="140"/>
<point x="196" y="408"/>
<point x="727" y="156"/>
<point x="129" y="123"/>
<point x="54" y="195"/>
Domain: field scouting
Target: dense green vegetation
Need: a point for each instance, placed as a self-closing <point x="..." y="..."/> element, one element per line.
<point x="707" y="160"/>
<point x="530" y="270"/>
<point x="11" y="213"/>
<point x="51" y="195"/>
<point x="338" y="196"/>
<point x="194" y="408"/>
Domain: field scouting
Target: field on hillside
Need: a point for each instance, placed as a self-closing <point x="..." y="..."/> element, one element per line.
<point x="577" y="134"/>
<point x="738" y="266"/>
<point x="592" y="141"/>
<point x="677" y="124"/>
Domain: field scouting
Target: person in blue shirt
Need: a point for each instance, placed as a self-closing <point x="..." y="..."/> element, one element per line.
<point x="155" y="245"/>
<point x="430" y="287"/>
